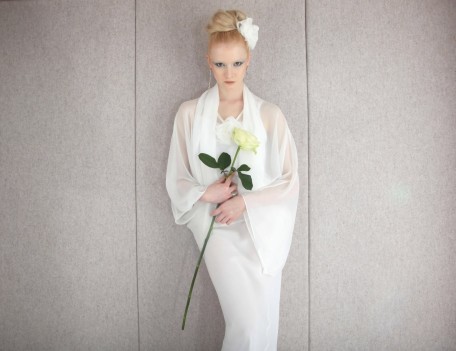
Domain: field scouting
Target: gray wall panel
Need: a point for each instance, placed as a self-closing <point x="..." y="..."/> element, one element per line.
<point x="382" y="165"/>
<point x="382" y="108"/>
<point x="171" y="44"/>
<point x="67" y="229"/>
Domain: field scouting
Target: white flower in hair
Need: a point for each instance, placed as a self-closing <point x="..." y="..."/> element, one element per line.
<point x="249" y="31"/>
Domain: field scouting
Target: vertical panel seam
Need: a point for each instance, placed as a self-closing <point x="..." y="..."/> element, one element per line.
<point x="308" y="180"/>
<point x="136" y="192"/>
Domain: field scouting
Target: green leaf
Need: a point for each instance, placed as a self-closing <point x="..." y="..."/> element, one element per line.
<point x="208" y="160"/>
<point x="246" y="180"/>
<point x="224" y="160"/>
<point x="243" y="168"/>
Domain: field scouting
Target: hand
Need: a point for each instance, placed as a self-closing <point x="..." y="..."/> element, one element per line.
<point x="230" y="210"/>
<point x="219" y="191"/>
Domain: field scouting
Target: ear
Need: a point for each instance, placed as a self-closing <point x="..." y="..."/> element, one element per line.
<point x="208" y="61"/>
<point x="249" y="57"/>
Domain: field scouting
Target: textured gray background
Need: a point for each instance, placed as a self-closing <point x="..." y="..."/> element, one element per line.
<point x="382" y="112"/>
<point x="67" y="173"/>
<point x="90" y="257"/>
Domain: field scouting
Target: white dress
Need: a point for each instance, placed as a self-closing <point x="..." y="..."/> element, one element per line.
<point x="249" y="299"/>
<point x="244" y="259"/>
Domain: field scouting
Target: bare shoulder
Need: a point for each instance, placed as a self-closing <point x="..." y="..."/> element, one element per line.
<point x="270" y="108"/>
<point x="188" y="107"/>
<point x="186" y="111"/>
<point x="271" y="114"/>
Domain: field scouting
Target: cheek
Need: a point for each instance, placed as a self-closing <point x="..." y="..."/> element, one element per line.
<point x="217" y="74"/>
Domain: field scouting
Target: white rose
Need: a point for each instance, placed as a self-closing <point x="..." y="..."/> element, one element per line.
<point x="245" y="140"/>
<point x="249" y="31"/>
<point x="224" y="130"/>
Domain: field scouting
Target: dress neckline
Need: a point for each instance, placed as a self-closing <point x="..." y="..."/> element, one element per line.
<point x="223" y="120"/>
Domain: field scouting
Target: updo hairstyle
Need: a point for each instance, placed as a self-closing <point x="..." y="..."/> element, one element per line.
<point x="222" y="28"/>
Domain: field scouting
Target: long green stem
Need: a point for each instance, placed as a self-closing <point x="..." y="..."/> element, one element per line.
<point x="196" y="270"/>
<point x="234" y="160"/>
<point x="204" y="248"/>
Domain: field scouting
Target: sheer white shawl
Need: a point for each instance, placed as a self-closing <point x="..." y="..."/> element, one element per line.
<point x="272" y="203"/>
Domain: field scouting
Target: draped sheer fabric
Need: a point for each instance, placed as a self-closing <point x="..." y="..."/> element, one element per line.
<point x="272" y="203"/>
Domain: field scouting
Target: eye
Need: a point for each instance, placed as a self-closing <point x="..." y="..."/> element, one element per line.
<point x="219" y="64"/>
<point x="238" y="63"/>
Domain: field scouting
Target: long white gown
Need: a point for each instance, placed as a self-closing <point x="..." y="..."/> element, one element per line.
<point x="244" y="259"/>
<point x="249" y="299"/>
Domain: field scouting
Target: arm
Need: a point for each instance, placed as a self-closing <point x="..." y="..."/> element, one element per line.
<point x="271" y="210"/>
<point x="183" y="188"/>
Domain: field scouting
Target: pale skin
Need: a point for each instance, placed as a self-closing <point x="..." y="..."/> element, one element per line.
<point x="228" y="63"/>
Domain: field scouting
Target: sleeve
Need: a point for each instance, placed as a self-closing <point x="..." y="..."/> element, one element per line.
<point x="271" y="210"/>
<point x="183" y="189"/>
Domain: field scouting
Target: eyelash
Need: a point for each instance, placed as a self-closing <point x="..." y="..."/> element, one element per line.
<point x="237" y="64"/>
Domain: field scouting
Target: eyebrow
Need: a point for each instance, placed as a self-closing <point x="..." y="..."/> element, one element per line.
<point x="240" y="60"/>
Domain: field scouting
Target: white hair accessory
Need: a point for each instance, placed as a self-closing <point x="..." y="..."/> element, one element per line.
<point x="249" y="31"/>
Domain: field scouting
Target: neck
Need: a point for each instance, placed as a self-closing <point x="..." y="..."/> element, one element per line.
<point x="232" y="94"/>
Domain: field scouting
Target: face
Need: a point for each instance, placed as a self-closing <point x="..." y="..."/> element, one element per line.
<point x="228" y="63"/>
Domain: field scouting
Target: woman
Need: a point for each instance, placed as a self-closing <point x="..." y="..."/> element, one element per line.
<point x="252" y="233"/>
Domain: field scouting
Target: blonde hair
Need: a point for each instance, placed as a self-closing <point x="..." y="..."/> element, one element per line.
<point x="223" y="28"/>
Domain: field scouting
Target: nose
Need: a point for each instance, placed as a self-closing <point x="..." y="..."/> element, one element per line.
<point x="228" y="71"/>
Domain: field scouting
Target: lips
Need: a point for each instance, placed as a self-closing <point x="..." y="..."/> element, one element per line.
<point x="229" y="81"/>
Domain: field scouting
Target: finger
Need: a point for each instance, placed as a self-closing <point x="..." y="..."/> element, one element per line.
<point x="216" y="212"/>
<point x="220" y="214"/>
<point x="228" y="179"/>
<point x="220" y="211"/>
<point x="224" y="220"/>
<point x="221" y="218"/>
